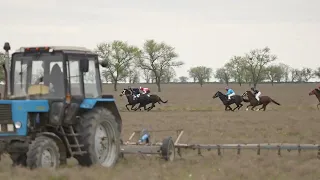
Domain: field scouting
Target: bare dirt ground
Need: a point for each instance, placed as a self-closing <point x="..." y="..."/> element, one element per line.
<point x="204" y="120"/>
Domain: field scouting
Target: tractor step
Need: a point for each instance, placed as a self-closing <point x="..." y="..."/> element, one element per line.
<point x="79" y="152"/>
<point x="75" y="134"/>
<point x="76" y="146"/>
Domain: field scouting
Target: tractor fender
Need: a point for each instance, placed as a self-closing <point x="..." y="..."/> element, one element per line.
<point x="59" y="142"/>
<point x="106" y="102"/>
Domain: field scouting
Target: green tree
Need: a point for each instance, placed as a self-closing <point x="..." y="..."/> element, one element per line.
<point x="295" y="75"/>
<point x="2" y="61"/>
<point x="146" y="75"/>
<point x="168" y="75"/>
<point x="317" y="72"/>
<point x="307" y="74"/>
<point x="223" y="75"/>
<point x="183" y="79"/>
<point x="201" y="74"/>
<point x="274" y="73"/>
<point x="133" y="76"/>
<point x="118" y="56"/>
<point x="256" y="61"/>
<point x="157" y="57"/>
<point x="236" y="67"/>
<point x="286" y="71"/>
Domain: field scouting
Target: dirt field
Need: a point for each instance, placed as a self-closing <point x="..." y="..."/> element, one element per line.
<point x="204" y="120"/>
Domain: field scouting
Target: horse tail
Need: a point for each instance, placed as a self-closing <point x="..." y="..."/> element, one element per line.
<point x="275" y="102"/>
<point x="162" y="100"/>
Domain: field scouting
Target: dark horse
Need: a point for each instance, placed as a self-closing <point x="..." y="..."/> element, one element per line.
<point x="143" y="100"/>
<point x="237" y="99"/>
<point x="316" y="92"/>
<point x="130" y="97"/>
<point x="264" y="101"/>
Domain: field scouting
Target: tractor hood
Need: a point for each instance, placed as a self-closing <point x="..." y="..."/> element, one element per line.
<point x="14" y="115"/>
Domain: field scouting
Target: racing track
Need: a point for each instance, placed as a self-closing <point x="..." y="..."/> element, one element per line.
<point x="204" y="121"/>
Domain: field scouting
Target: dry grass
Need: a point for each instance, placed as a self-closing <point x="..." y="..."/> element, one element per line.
<point x="204" y="121"/>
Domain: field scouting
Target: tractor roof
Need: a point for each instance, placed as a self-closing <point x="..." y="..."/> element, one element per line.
<point x="61" y="48"/>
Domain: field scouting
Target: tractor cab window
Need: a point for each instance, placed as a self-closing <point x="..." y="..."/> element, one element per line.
<point x="40" y="74"/>
<point x="20" y="79"/>
<point x="74" y="76"/>
<point x="90" y="80"/>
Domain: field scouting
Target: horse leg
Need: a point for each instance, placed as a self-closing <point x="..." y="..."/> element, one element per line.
<point x="152" y="106"/>
<point x="133" y="106"/>
<point x="127" y="107"/>
<point x="248" y="107"/>
<point x="240" y="105"/>
<point x="138" y="107"/>
<point x="318" y="105"/>
<point x="263" y="107"/>
<point x="230" y="108"/>
<point x="236" y="107"/>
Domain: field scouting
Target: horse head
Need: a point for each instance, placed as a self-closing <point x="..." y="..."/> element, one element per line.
<point x="217" y="94"/>
<point x="126" y="92"/>
<point x="245" y="94"/>
<point x="248" y="94"/>
<point x="314" y="92"/>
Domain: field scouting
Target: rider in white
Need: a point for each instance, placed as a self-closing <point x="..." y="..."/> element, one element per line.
<point x="257" y="93"/>
<point x="230" y="93"/>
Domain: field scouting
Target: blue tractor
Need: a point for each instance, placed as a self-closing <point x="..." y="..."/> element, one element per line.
<point x="54" y="109"/>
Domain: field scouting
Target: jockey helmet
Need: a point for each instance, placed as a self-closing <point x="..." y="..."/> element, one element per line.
<point x="226" y="88"/>
<point x="140" y="87"/>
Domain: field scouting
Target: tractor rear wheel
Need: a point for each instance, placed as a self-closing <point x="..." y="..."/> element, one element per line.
<point x="43" y="153"/>
<point x="100" y="136"/>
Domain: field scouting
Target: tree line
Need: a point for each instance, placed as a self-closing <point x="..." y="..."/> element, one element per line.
<point x="155" y="62"/>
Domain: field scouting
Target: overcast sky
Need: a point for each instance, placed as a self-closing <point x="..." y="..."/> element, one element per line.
<point x="204" y="32"/>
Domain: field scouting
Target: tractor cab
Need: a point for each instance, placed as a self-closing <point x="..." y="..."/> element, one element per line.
<point x="54" y="73"/>
<point x="53" y="100"/>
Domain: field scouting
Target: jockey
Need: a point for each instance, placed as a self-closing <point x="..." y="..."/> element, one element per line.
<point x="144" y="90"/>
<point x="257" y="93"/>
<point x="135" y="91"/>
<point x="230" y="93"/>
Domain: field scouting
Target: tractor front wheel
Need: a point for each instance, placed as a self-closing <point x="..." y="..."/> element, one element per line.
<point x="100" y="136"/>
<point x="43" y="153"/>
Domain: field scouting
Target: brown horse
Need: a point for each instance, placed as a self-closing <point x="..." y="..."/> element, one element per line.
<point x="317" y="93"/>
<point x="264" y="101"/>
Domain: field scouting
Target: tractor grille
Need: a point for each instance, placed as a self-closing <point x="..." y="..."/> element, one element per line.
<point x="6" y="123"/>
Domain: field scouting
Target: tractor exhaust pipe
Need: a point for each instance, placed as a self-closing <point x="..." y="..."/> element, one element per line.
<point x="5" y="82"/>
<point x="6" y="67"/>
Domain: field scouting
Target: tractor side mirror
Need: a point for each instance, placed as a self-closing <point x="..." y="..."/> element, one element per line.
<point x="103" y="64"/>
<point x="84" y="65"/>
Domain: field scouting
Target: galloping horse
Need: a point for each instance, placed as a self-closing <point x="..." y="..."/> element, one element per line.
<point x="144" y="100"/>
<point x="130" y="97"/>
<point x="316" y="92"/>
<point x="237" y="99"/>
<point x="264" y="100"/>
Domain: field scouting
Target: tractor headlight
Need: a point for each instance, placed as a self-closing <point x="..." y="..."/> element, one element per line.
<point x="17" y="125"/>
